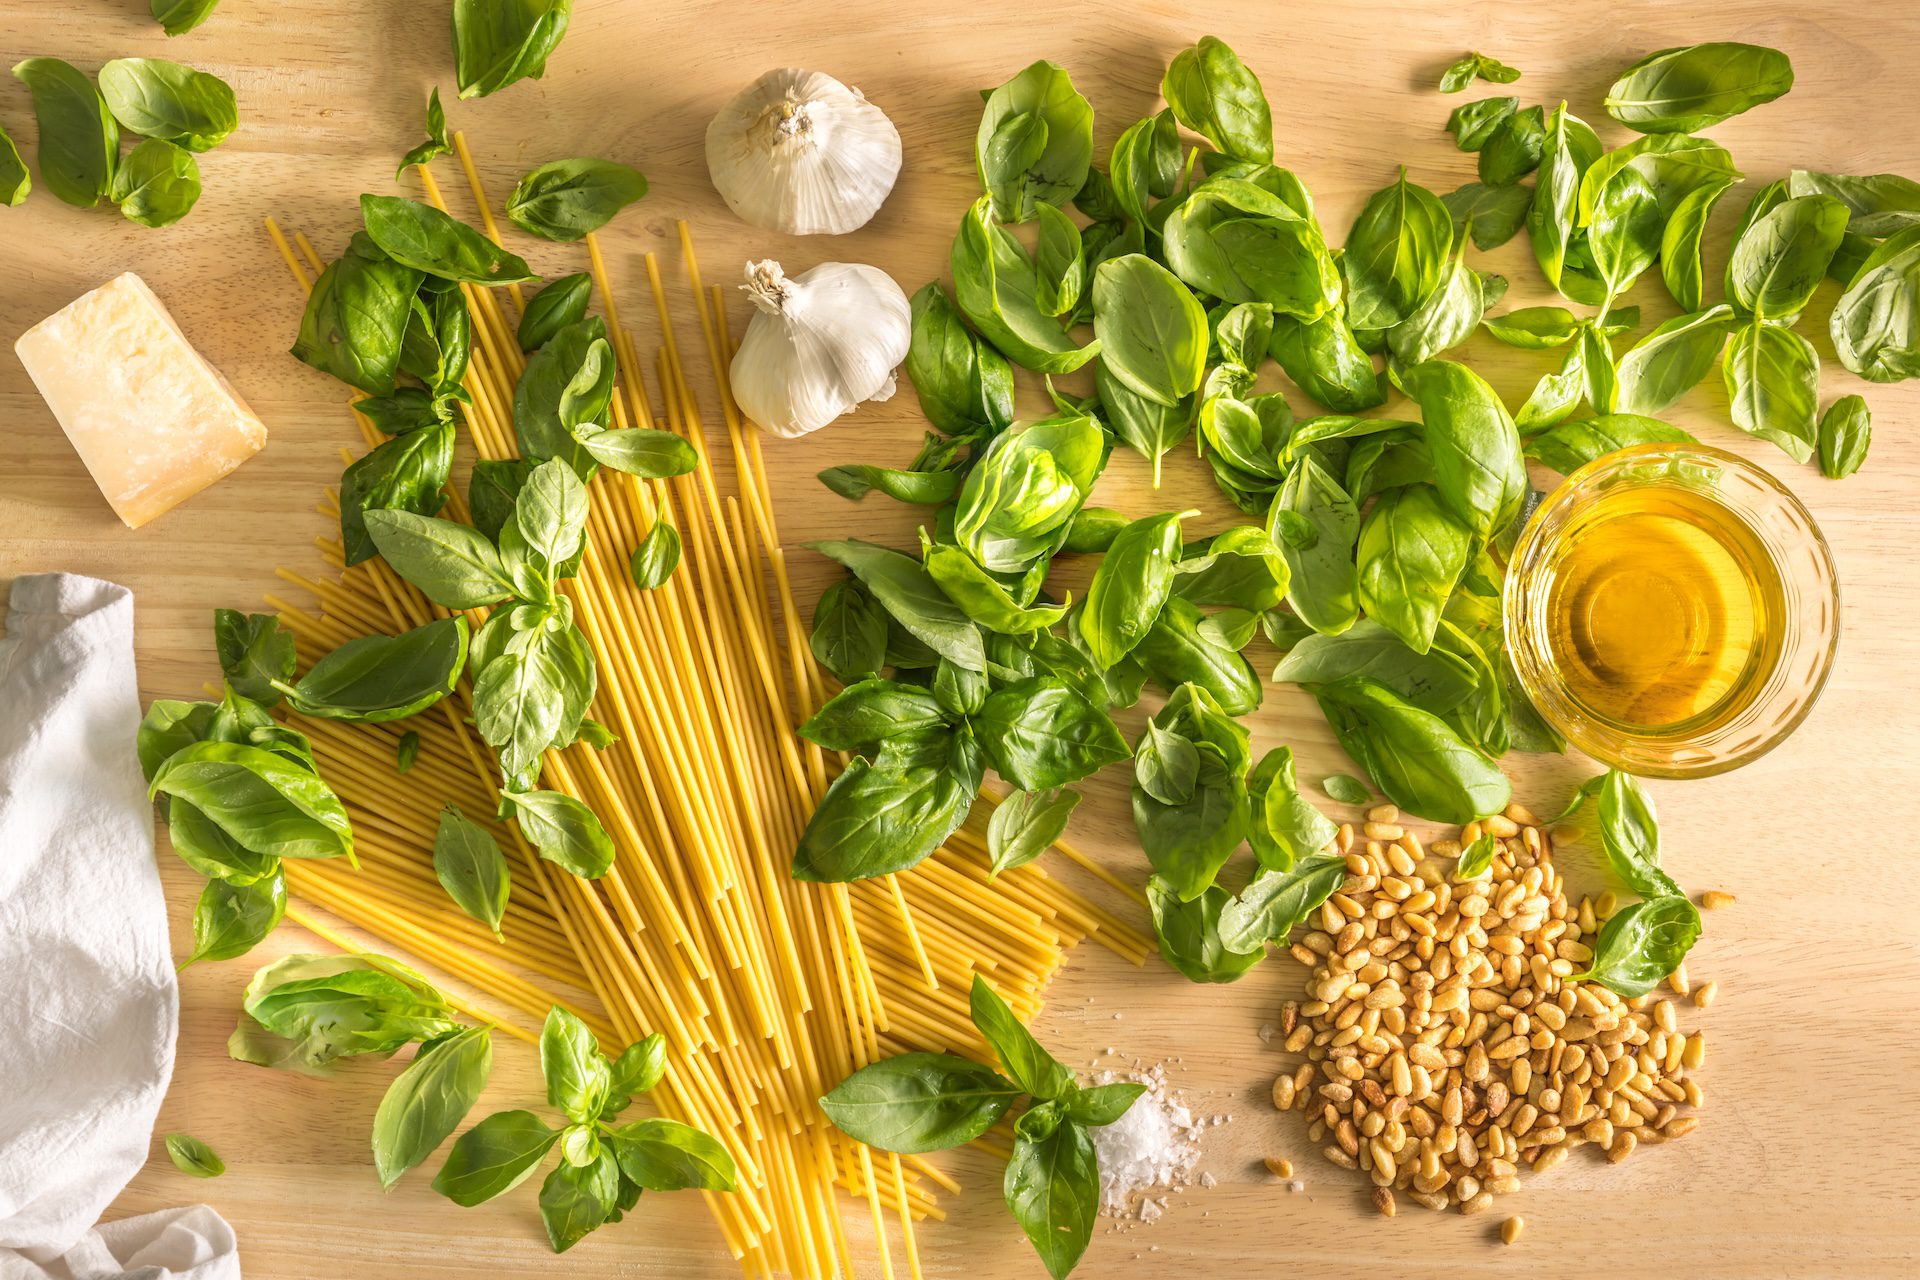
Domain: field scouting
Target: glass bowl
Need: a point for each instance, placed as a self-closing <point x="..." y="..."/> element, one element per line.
<point x="1810" y="591"/>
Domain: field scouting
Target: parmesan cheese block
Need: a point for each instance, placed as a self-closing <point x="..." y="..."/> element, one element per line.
<point x="154" y="422"/>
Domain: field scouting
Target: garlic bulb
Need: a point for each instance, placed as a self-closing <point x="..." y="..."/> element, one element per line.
<point x="818" y="344"/>
<point x="797" y="151"/>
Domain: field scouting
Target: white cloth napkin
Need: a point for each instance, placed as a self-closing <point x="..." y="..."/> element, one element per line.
<point x="88" y="999"/>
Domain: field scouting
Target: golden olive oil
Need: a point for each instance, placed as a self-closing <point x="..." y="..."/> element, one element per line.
<point x="1665" y="611"/>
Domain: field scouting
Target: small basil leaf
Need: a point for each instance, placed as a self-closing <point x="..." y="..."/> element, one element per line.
<point x="1846" y="429"/>
<point x="156" y="184"/>
<point x="1268" y="909"/>
<point x="1688" y="89"/>
<point x="1641" y="944"/>
<point x="561" y="304"/>
<point x="657" y="556"/>
<point x="471" y="867"/>
<point x="163" y="100"/>
<point x="428" y="1100"/>
<point x="919" y="1102"/>
<point x="254" y="652"/>
<point x="664" y="1155"/>
<point x="1053" y="1187"/>
<point x="420" y="236"/>
<point x="1346" y="789"/>
<point x="565" y="831"/>
<point x="494" y="1157"/>
<point x="79" y="140"/>
<point x="232" y="918"/>
<point x="436" y="145"/>
<point x="1025" y="825"/>
<point x="193" y="1157"/>
<point x="565" y="200"/>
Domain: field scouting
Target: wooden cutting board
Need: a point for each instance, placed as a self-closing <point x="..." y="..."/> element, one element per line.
<point x="1801" y="1168"/>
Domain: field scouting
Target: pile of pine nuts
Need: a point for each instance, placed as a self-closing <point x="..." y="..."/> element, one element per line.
<point x="1444" y="1046"/>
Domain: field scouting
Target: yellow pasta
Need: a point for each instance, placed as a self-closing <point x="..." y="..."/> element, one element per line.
<point x="768" y="990"/>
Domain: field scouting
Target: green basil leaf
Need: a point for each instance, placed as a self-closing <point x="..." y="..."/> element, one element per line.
<point x="1411" y="552"/>
<point x="1166" y="765"/>
<point x="15" y="181"/>
<point x="849" y="636"/>
<point x="1447" y="318"/>
<point x="871" y="711"/>
<point x="1436" y="681"/>
<point x="471" y="867"/>
<point x="1284" y="827"/>
<point x="1568" y="150"/>
<point x="1053" y="1187"/>
<point x="1099" y="1105"/>
<point x="1477" y="465"/>
<point x="578" y="1077"/>
<point x="1131" y="585"/>
<point x="232" y="918"/>
<point x="356" y="317"/>
<point x="1146" y="164"/>
<point x="1641" y="944"/>
<point x="565" y="831"/>
<point x="338" y="1006"/>
<point x="1025" y="825"/>
<point x="1688" y="89"/>
<point x="1325" y="360"/>
<point x="909" y="594"/>
<point x="1846" y="429"/>
<point x="408" y="473"/>
<point x="375" y="679"/>
<point x="1019" y="498"/>
<point x="1474" y="66"/>
<point x="437" y="144"/>
<point x="1315" y="525"/>
<point x="982" y="597"/>
<point x="1782" y="257"/>
<point x="664" y="1155"/>
<point x="1151" y="330"/>
<point x="1630" y="836"/>
<point x="1177" y="651"/>
<point x="1031" y="1067"/>
<point x="1672" y="360"/>
<point x="919" y="1102"/>
<point x="1514" y="149"/>
<point x="565" y="200"/>
<point x="1534" y="328"/>
<point x="156" y="184"/>
<point x="1188" y="843"/>
<point x="1876" y="323"/>
<point x="1570" y="446"/>
<point x="1189" y="934"/>
<point x="559" y="306"/>
<point x="254" y="652"/>
<point x="428" y="1100"/>
<point x="641" y="451"/>
<point x="1680" y="253"/>
<point x="494" y="1157"/>
<point x="1058" y="262"/>
<point x="177" y="17"/>
<point x="1476" y="858"/>
<point x="997" y="286"/>
<point x="657" y="556"/>
<point x="878" y="818"/>
<point x="496" y="43"/>
<point x="1230" y="628"/>
<point x="265" y="803"/>
<point x="1268" y="909"/>
<point x="577" y="1199"/>
<point x="1413" y="756"/>
<point x="408" y="409"/>
<point x="1346" y="789"/>
<point x="420" y="236"/>
<point x="1879" y="204"/>
<point x="551" y="512"/>
<point x="79" y="141"/>
<point x="1396" y="254"/>
<point x="640" y="1066"/>
<point x="163" y="100"/>
<point x="437" y="345"/>
<point x="1051" y="165"/>
<point x="964" y="385"/>
<point x="1473" y="124"/>
<point x="1492" y="215"/>
<point x="1624" y="225"/>
<point x="1145" y="425"/>
<point x="193" y="1157"/>
<point x="1773" y="384"/>
<point x="1039" y="733"/>
<point x="855" y="481"/>
<point x="454" y="565"/>
<point x="1211" y="92"/>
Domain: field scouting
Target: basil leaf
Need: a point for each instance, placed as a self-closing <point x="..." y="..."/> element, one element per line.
<point x="1411" y="552"/>
<point x="420" y="236"/>
<point x="1025" y="825"/>
<point x="1477" y="464"/>
<point x="1031" y="1067"/>
<point x="428" y="1100"/>
<point x="408" y="473"/>
<point x="565" y="831"/>
<point x="551" y="512"/>
<point x="344" y="1005"/>
<point x="1515" y="147"/>
<point x="578" y="1077"/>
<point x="871" y="711"/>
<point x="1151" y="331"/>
<point x="1146" y="164"/>
<point x="262" y="801"/>
<point x="1680" y="252"/>
<point x="1035" y="143"/>
<point x="849" y="636"/>
<point x="1630" y="836"/>
<point x="1286" y="828"/>
<point x="1189" y="934"/>
<point x="1058" y="262"/>
<point x="577" y="1199"/>
<point x="1188" y="843"/>
<point x="1474" y="66"/>
<point x="1436" y="681"/>
<point x="664" y="1155"/>
<point x="1447" y="318"/>
<point x="1176" y="651"/>
<point x="566" y="199"/>
<point x="1097" y="1106"/>
<point x="254" y="652"/>
<point x="212" y="852"/>
<point x="1473" y="124"/>
<point x="1131" y="585"/>
<point x="79" y="141"/>
<point x="1846" y="429"/>
<point x="1773" y="384"/>
<point x="964" y="385"/>
<point x="1624" y="225"/>
<point x="437" y="344"/>
<point x="904" y="589"/>
<point x="657" y="556"/>
<point x="855" y="481"/>
<point x="1166" y="765"/>
<point x="471" y="867"/>
<point x="1053" y="1187"/>
<point x="997" y="285"/>
<point x="494" y="1157"/>
<point x="1147" y="426"/>
<point x="1641" y="944"/>
<point x="1880" y="204"/>
<point x="1782" y="256"/>
<point x="982" y="597"/>
<point x="1570" y="446"/>
<point x="640" y="1066"/>
<point x="193" y="1157"/>
<point x="232" y="918"/>
<point x="1672" y="360"/>
<point x="1039" y="733"/>
<point x="1492" y="215"/>
<point x="159" y="99"/>
<point x="496" y="42"/>
<point x="407" y="409"/>
<point x="1211" y="92"/>
<point x="1534" y="328"/>
<point x="156" y="184"/>
<point x="1315" y="525"/>
<point x="1876" y="323"/>
<point x="919" y="1102"/>
<point x="375" y="679"/>
<point x="559" y="306"/>
<point x="437" y="144"/>
<point x="641" y="451"/>
<point x="1412" y="755"/>
<point x="1688" y="89"/>
<point x="1346" y="789"/>
<point x="1476" y="858"/>
<point x="881" y="817"/>
<point x="1325" y="360"/>
<point x="1568" y="150"/>
<point x="15" y="181"/>
<point x="356" y="317"/>
<point x="1235" y="239"/>
<point x="1268" y="909"/>
<point x="1396" y="254"/>
<point x="177" y="17"/>
<point x="454" y="565"/>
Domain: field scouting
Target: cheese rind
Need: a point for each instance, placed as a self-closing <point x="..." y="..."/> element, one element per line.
<point x="153" y="421"/>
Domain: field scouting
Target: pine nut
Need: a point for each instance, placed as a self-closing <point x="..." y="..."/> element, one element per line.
<point x="1510" y="1230"/>
<point x="1715" y="900"/>
<point x="1703" y="995"/>
<point x="1277" y="1167"/>
<point x="1383" y="1202"/>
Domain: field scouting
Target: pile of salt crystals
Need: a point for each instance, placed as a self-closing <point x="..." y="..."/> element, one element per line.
<point x="1151" y="1152"/>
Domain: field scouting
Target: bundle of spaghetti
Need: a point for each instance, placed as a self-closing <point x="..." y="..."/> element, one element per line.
<point x="768" y="990"/>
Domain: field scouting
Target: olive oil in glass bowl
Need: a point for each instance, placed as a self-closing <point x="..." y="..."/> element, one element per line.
<point x="1672" y="610"/>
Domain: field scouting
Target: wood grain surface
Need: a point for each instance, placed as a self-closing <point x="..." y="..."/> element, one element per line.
<point x="1802" y="1167"/>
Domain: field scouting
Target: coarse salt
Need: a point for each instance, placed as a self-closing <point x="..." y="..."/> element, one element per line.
<point x="1153" y="1148"/>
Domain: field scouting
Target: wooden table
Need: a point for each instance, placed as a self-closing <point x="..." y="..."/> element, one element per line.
<point x="1802" y="1168"/>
